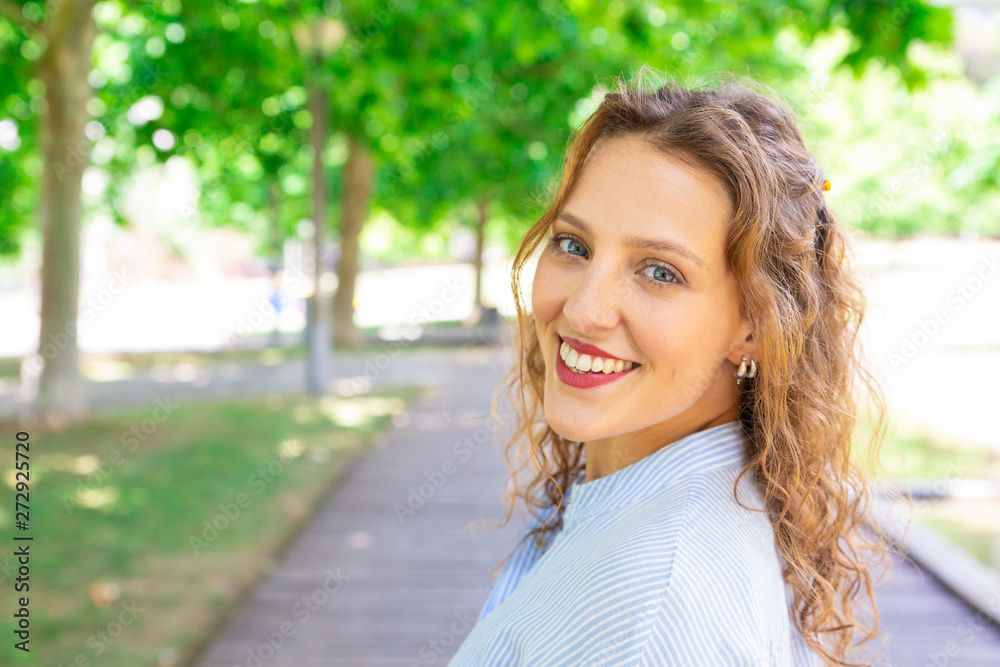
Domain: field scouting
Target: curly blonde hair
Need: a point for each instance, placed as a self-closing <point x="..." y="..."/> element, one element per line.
<point x="789" y="257"/>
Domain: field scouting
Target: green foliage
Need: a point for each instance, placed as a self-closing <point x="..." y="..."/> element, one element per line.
<point x="459" y="102"/>
<point x="902" y="161"/>
<point x="533" y="81"/>
<point x="18" y="166"/>
<point x="884" y="30"/>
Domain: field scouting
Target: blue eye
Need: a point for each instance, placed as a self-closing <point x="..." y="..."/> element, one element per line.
<point x="663" y="276"/>
<point x="557" y="241"/>
<point x="664" y="273"/>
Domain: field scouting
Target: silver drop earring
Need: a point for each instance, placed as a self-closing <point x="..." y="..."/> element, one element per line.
<point x="742" y="371"/>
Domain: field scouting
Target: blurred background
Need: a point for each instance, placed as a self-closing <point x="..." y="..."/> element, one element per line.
<point x="221" y="222"/>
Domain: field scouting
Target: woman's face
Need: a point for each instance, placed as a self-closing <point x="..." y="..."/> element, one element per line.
<point x="672" y="308"/>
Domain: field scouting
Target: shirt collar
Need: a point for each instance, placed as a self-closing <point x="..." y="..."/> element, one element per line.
<point x="704" y="450"/>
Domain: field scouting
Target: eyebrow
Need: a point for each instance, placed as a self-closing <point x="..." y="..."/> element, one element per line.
<point x="633" y="241"/>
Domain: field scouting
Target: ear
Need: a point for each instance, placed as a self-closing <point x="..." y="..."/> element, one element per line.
<point x="745" y="346"/>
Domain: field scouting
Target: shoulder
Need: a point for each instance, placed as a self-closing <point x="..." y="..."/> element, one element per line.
<point x="682" y="577"/>
<point x="725" y="599"/>
<point x="733" y="506"/>
<point x="695" y="519"/>
<point x="727" y="547"/>
<point x="710" y="509"/>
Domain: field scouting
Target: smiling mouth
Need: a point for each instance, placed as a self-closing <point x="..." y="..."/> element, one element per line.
<point x="587" y="364"/>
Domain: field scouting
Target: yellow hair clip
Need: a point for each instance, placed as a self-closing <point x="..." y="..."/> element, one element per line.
<point x="826" y="186"/>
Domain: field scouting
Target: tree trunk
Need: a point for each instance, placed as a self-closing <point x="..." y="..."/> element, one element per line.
<point x="319" y="331"/>
<point x="482" y="215"/>
<point x="63" y="68"/>
<point x="478" y="262"/>
<point x="276" y="243"/>
<point x="358" y="176"/>
<point x="276" y="238"/>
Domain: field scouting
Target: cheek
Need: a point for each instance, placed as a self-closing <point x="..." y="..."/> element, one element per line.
<point x="685" y="344"/>
<point x="672" y="334"/>
<point x="547" y="291"/>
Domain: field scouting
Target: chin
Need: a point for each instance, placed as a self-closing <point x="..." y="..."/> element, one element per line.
<point x="571" y="435"/>
<point x="572" y="425"/>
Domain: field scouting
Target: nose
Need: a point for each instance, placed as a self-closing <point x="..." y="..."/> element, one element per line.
<point x="596" y="300"/>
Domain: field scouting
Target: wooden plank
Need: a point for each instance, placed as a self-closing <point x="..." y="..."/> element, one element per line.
<point x="408" y="581"/>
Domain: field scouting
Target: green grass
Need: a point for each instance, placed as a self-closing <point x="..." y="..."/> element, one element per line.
<point x="909" y="452"/>
<point x="117" y="520"/>
<point x="980" y="540"/>
<point x="116" y="366"/>
<point x="102" y="366"/>
<point x="10" y="367"/>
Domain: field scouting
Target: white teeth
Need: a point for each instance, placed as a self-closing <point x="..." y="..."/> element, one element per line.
<point x="587" y="363"/>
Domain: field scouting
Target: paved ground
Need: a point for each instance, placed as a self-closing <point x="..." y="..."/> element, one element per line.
<point x="190" y="382"/>
<point x="400" y="588"/>
<point x="405" y="582"/>
<point x="407" y="593"/>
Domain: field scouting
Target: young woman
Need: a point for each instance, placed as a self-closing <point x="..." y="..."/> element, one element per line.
<point x="686" y="387"/>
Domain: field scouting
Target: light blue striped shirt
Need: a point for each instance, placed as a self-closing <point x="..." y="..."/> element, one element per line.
<point x="656" y="564"/>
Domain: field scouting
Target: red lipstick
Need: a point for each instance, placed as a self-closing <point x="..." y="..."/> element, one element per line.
<point x="587" y="348"/>
<point x="585" y="380"/>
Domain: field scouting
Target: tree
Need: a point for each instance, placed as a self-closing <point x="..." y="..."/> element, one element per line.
<point x="358" y="172"/>
<point x="63" y="64"/>
<point x="481" y="130"/>
<point x="497" y="153"/>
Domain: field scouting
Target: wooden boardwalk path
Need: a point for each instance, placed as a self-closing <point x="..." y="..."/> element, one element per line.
<point x="363" y="588"/>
